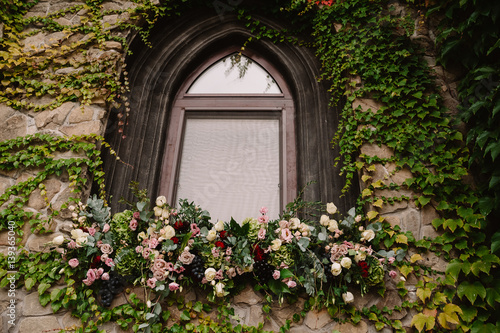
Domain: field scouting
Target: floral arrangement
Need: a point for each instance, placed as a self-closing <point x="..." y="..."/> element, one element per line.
<point x="165" y="249"/>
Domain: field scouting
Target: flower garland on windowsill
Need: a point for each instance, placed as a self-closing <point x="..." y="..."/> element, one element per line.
<point x="165" y="249"/>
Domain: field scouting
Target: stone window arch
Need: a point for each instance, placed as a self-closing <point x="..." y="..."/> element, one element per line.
<point x="180" y="49"/>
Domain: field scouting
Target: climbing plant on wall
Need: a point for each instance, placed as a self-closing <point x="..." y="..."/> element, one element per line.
<point x="365" y="52"/>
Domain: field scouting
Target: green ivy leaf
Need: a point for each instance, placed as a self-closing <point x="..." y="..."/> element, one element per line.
<point x="495" y="242"/>
<point x="421" y="320"/>
<point x="471" y="291"/>
<point x="43" y="287"/>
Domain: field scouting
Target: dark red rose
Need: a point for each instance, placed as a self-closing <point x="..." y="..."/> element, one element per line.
<point x="258" y="253"/>
<point x="95" y="262"/>
<point x="220" y="244"/>
<point x="223" y="234"/>
<point x="175" y="240"/>
<point x="364" y="268"/>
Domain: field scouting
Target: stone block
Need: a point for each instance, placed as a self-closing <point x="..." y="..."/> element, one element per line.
<point x="317" y="319"/>
<point x="390" y="300"/>
<point x="361" y="327"/>
<point x="429" y="231"/>
<point x="6" y="112"/>
<point x="393" y="220"/>
<point x="248" y="296"/>
<point x="81" y="114"/>
<point x="61" y="198"/>
<point x="4" y="236"/>
<point x="37" y="201"/>
<point x="91" y="127"/>
<point x="32" y="307"/>
<point x="366" y="104"/>
<point x="410" y="221"/>
<point x="16" y="125"/>
<point x="69" y="322"/>
<point x="376" y="150"/>
<point x="55" y="117"/>
<point x="38" y="243"/>
<point x="396" y="206"/>
<point x="429" y="213"/>
<point x="39" y="324"/>
<point x="256" y="315"/>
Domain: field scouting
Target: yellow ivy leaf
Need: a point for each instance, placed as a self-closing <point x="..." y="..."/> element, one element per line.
<point x="402" y="239"/>
<point x="364" y="178"/>
<point x="421" y="320"/>
<point x="378" y="203"/>
<point x="452" y="309"/>
<point x="390" y="232"/>
<point x="371" y="214"/>
<point x="424" y="293"/>
<point x="371" y="168"/>
<point x="405" y="270"/>
<point x="439" y="298"/>
<point x="366" y="192"/>
<point x="415" y="257"/>
<point x="378" y="184"/>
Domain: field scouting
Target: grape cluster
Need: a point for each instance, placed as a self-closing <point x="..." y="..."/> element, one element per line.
<point x="197" y="268"/>
<point x="263" y="271"/>
<point x="110" y="288"/>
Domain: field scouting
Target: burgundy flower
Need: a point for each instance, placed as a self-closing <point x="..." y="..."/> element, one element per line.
<point x="95" y="262"/>
<point x="258" y="253"/>
<point x="364" y="268"/>
<point x="223" y="234"/>
<point x="220" y="244"/>
<point x="175" y="240"/>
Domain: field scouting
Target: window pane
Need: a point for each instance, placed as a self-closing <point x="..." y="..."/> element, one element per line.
<point x="235" y="74"/>
<point x="231" y="167"/>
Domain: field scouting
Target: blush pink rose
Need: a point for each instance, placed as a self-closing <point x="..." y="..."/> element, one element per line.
<point x="173" y="286"/>
<point x="106" y="228"/>
<point x="263" y="210"/>
<point x="73" y="262"/>
<point x="133" y="224"/>
<point x="262" y="233"/>
<point x="105" y="276"/>
<point x="151" y="282"/>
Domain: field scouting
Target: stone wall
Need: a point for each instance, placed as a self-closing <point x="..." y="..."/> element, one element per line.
<point x="73" y="118"/>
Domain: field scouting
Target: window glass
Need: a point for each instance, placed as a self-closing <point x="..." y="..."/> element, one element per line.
<point x="235" y="74"/>
<point x="231" y="166"/>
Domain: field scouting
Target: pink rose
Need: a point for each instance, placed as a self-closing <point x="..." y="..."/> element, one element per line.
<point x="109" y="262"/>
<point x="291" y="284"/>
<point x="159" y="274"/>
<point x="105" y="276"/>
<point x="263" y="219"/>
<point x="91" y="275"/>
<point x="137" y="215"/>
<point x="72" y="245"/>
<point x="284" y="224"/>
<point x="159" y="264"/>
<point x="231" y="272"/>
<point x="229" y="251"/>
<point x="106" y="248"/>
<point x="286" y="234"/>
<point x="276" y="274"/>
<point x="262" y="233"/>
<point x="138" y="249"/>
<point x="146" y="252"/>
<point x="99" y="271"/>
<point x="173" y="286"/>
<point x="263" y="210"/>
<point x="391" y="260"/>
<point x="169" y="266"/>
<point x="215" y="252"/>
<point x="91" y="231"/>
<point x="186" y="257"/>
<point x="194" y="229"/>
<point x="151" y="282"/>
<point x="106" y="228"/>
<point x="87" y="282"/>
<point x="393" y="274"/>
<point x="73" y="262"/>
<point x="133" y="224"/>
<point x="153" y="243"/>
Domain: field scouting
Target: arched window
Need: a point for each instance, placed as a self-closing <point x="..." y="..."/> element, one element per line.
<point x="231" y="140"/>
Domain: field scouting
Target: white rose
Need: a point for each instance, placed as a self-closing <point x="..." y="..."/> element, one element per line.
<point x="346" y="262"/>
<point x="331" y="208"/>
<point x="169" y="232"/>
<point x="142" y="235"/>
<point x="212" y="234"/>
<point x="348" y="297"/>
<point x="158" y="211"/>
<point x="357" y="218"/>
<point x="58" y="240"/>
<point x="276" y="244"/>
<point x="219" y="226"/>
<point x="161" y="200"/>
<point x="332" y="225"/>
<point x="79" y="236"/>
<point x="367" y="235"/>
<point x="219" y="289"/>
<point x="165" y="214"/>
<point x="294" y="223"/>
<point x="360" y="256"/>
<point x="324" y="220"/>
<point x="336" y="269"/>
<point x="210" y="274"/>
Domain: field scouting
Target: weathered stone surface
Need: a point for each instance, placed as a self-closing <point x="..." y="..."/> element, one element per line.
<point x="37" y="201"/>
<point x="366" y="104"/>
<point x="81" y="114"/>
<point x="4" y="236"/>
<point x="375" y="150"/>
<point x="410" y="221"/>
<point x="5" y="112"/>
<point x="428" y="231"/>
<point x="32" y="307"/>
<point x="392" y="299"/>
<point x="361" y="327"/>
<point x="429" y="213"/>
<point x="69" y="321"/>
<point x="56" y="116"/>
<point x="248" y="296"/>
<point x="39" y="324"/>
<point x="317" y="319"/>
<point x="393" y="220"/>
<point x="61" y="198"/>
<point x="113" y="45"/>
<point x="91" y="127"/>
<point x="434" y="262"/>
<point x="398" y="177"/>
<point x="396" y="206"/>
<point x="38" y="243"/>
<point x="256" y="315"/>
<point x="13" y="127"/>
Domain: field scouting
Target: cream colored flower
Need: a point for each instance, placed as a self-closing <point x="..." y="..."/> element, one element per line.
<point x="219" y="289"/>
<point x="333" y="225"/>
<point x="210" y="274"/>
<point x="79" y="236"/>
<point x="367" y="235"/>
<point x="165" y="214"/>
<point x="158" y="211"/>
<point x="58" y="240"/>
<point x="294" y="223"/>
<point x="359" y="256"/>
<point x="142" y="235"/>
<point x="161" y="201"/>
<point x="336" y="269"/>
<point x="168" y="232"/>
<point x="348" y="297"/>
<point x="276" y="244"/>
<point x="346" y="262"/>
<point x="219" y="226"/>
<point x="324" y="220"/>
<point x="331" y="208"/>
<point x="212" y="234"/>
